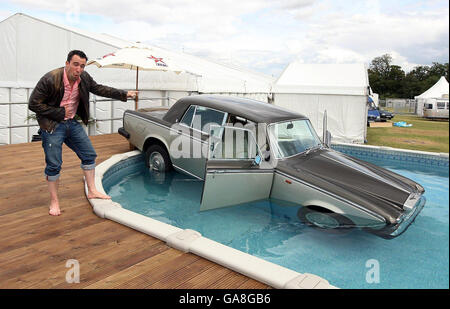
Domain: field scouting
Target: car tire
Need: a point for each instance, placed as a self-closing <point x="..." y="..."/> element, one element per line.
<point x="157" y="159"/>
<point x="324" y="220"/>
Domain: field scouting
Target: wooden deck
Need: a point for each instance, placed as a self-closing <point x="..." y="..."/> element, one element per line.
<point x="35" y="247"/>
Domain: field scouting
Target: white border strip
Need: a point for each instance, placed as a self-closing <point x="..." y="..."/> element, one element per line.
<point x="191" y="241"/>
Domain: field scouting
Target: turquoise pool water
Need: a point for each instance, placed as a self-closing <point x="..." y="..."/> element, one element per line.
<point x="417" y="259"/>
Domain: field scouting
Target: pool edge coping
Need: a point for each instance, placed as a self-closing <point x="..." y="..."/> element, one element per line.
<point x="192" y="241"/>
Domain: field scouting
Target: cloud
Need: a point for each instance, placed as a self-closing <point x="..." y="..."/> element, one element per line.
<point x="295" y="4"/>
<point x="4" y="14"/>
<point x="156" y="11"/>
<point x="264" y="34"/>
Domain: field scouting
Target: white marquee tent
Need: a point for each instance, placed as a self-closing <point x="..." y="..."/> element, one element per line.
<point x="437" y="91"/>
<point x="340" y="89"/>
<point x="30" y="47"/>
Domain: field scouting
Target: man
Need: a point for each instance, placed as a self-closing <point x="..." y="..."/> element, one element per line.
<point x="57" y="98"/>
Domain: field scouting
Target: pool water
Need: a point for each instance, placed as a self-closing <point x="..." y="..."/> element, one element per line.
<point x="419" y="258"/>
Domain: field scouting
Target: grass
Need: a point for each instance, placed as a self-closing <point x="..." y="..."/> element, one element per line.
<point x="424" y="135"/>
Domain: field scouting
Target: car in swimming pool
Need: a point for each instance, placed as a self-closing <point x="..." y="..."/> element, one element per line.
<point x="245" y="150"/>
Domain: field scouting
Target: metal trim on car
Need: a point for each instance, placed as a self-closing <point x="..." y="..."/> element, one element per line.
<point x="408" y="218"/>
<point x="183" y="170"/>
<point x="411" y="202"/>
<point x="245" y="170"/>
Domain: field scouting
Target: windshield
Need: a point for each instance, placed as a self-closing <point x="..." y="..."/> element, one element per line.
<point x="293" y="137"/>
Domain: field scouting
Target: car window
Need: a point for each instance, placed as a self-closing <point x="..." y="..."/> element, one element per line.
<point x="187" y="118"/>
<point x="232" y="143"/>
<point x="204" y="117"/>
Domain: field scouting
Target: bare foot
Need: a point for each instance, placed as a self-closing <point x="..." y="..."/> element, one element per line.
<point x="96" y="194"/>
<point x="54" y="209"/>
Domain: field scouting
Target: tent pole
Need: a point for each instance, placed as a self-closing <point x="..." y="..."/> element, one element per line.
<point x="136" y="98"/>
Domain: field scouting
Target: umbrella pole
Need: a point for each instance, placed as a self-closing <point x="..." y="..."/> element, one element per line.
<point x="136" y="98"/>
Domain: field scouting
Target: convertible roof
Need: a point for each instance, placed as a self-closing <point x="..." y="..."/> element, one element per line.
<point x="253" y="110"/>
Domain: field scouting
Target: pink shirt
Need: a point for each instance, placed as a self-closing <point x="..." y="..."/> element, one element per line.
<point x="71" y="97"/>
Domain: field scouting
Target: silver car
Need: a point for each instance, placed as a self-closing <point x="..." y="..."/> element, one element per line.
<point x="245" y="150"/>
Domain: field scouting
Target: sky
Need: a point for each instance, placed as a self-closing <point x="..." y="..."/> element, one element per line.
<point x="264" y="35"/>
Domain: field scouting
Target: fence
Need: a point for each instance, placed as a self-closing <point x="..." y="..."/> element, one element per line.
<point x="31" y="123"/>
<point x="17" y="124"/>
<point x="399" y="106"/>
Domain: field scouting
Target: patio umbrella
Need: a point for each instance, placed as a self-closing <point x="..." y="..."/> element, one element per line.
<point x="136" y="57"/>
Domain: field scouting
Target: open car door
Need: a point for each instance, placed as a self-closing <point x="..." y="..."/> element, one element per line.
<point x="235" y="172"/>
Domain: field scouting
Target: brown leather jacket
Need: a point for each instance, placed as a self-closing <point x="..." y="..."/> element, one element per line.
<point x="49" y="91"/>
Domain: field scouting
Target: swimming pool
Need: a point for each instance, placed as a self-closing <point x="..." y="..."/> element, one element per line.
<point x="417" y="259"/>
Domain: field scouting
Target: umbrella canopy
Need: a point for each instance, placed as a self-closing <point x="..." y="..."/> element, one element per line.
<point x="137" y="58"/>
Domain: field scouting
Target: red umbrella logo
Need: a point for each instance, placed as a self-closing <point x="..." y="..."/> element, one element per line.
<point x="158" y="61"/>
<point x="107" y="55"/>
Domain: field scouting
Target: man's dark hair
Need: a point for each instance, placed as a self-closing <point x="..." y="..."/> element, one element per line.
<point x="79" y="53"/>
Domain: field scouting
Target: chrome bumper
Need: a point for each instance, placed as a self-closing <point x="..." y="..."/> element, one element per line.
<point x="404" y="221"/>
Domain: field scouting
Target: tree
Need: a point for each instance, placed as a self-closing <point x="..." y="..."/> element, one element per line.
<point x="381" y="65"/>
<point x="390" y="81"/>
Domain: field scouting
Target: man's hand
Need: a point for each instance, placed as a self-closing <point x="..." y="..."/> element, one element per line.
<point x="132" y="94"/>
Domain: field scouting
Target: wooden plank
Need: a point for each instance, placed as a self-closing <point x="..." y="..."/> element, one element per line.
<point x="205" y="279"/>
<point x="155" y="274"/>
<point x="93" y="235"/>
<point x="229" y="281"/>
<point x="95" y="266"/>
<point x="184" y="274"/>
<point x="128" y="274"/>
<point x="36" y="276"/>
<point x="40" y="219"/>
<point x="57" y="227"/>
<point x="251" y="284"/>
<point x="36" y="246"/>
<point x="54" y="253"/>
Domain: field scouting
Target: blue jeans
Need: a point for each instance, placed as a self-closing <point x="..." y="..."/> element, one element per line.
<point x="73" y="135"/>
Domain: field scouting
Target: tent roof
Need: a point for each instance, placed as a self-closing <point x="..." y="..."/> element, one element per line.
<point x="436" y="91"/>
<point x="349" y="79"/>
<point x="210" y="76"/>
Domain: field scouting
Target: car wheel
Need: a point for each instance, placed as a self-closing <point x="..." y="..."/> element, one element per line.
<point x="324" y="219"/>
<point x="157" y="159"/>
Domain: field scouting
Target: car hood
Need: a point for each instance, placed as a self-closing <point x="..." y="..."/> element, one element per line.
<point x="375" y="188"/>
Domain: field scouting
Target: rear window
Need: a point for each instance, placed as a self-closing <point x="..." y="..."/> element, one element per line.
<point x="204" y="117"/>
<point x="187" y="118"/>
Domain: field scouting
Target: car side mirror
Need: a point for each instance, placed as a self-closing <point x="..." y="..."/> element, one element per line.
<point x="257" y="160"/>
